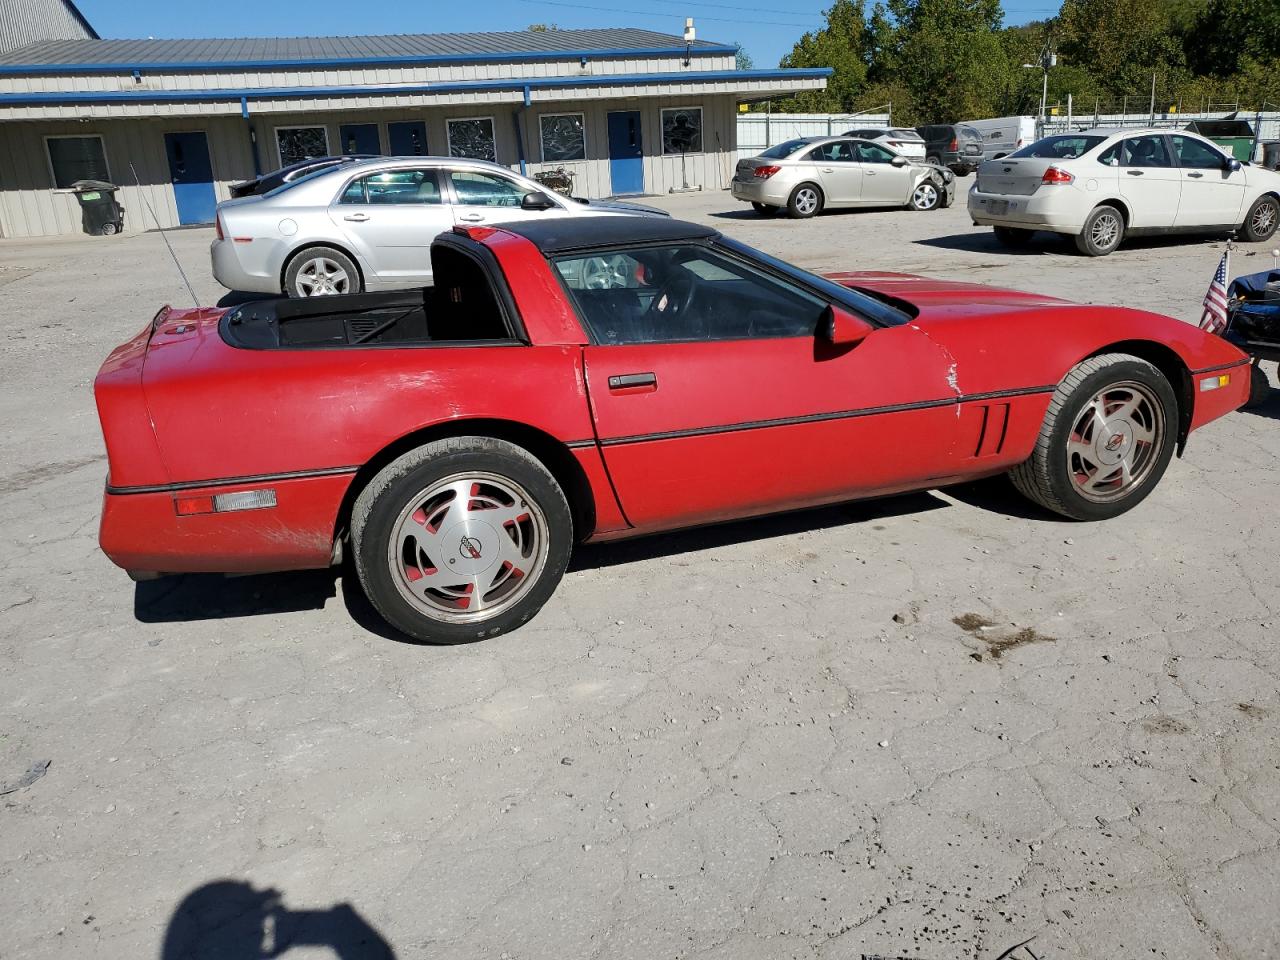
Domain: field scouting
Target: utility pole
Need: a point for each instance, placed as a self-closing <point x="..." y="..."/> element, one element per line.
<point x="1047" y="60"/>
<point x="1152" y="118"/>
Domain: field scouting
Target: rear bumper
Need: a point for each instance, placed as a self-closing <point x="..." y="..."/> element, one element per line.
<point x="238" y="266"/>
<point x="142" y="531"/>
<point x="1057" y="209"/>
<point x="760" y="191"/>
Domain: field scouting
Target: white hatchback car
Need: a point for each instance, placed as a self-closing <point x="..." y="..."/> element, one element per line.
<point x="1103" y="185"/>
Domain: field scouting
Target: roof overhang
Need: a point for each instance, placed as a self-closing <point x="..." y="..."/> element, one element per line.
<point x="744" y="84"/>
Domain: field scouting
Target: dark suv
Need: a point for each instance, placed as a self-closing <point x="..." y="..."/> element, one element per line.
<point x="952" y="145"/>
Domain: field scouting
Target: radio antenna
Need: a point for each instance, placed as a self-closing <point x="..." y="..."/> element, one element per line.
<point x="163" y="236"/>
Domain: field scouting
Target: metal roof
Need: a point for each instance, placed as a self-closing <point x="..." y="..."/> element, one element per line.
<point x="243" y="52"/>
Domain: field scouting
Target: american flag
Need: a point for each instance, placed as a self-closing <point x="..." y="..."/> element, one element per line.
<point x="1214" y="318"/>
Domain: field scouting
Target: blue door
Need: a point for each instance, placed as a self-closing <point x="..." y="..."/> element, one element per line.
<point x="626" y="153"/>
<point x="408" y="138"/>
<point x="359" y="138"/>
<point x="192" y="176"/>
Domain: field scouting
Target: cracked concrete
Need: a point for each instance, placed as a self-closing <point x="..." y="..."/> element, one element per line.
<point x="681" y="756"/>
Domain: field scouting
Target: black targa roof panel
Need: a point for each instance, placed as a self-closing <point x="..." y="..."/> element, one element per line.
<point x="561" y="235"/>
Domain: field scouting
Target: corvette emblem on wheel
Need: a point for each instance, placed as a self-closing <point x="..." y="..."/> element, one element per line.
<point x="470" y="547"/>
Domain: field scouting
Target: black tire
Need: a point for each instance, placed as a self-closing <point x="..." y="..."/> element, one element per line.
<point x="1261" y="222"/>
<point x="764" y="209"/>
<point x="107" y="230"/>
<point x="806" y="201"/>
<point x="384" y="503"/>
<point x="1048" y="477"/>
<point x="1013" y="237"/>
<point x="1259" y="387"/>
<point x="936" y="161"/>
<point x="302" y="263"/>
<point x="925" y="195"/>
<point x="1103" y="230"/>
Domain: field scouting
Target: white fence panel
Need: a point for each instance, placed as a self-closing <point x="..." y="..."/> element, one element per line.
<point x="757" y="131"/>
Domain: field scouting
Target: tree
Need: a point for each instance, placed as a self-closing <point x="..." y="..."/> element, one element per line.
<point x="1229" y="32"/>
<point x="742" y="60"/>
<point x="541" y="27"/>
<point x="838" y="45"/>
<point x="1122" y="42"/>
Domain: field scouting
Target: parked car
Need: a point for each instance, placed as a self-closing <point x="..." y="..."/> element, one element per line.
<point x="596" y="378"/>
<point x="1101" y="186"/>
<point x="1002" y="136"/>
<point x="808" y="175"/>
<point x="278" y="178"/>
<point x="1253" y="324"/>
<point x="901" y="140"/>
<point x="952" y="145"/>
<point x="368" y="224"/>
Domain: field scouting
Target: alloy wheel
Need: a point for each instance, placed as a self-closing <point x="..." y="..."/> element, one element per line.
<point x="1264" y="216"/>
<point x="322" y="277"/>
<point x="925" y="196"/>
<point x="1105" y="231"/>
<point x="807" y="200"/>
<point x="467" y="547"/>
<point x="1115" y="441"/>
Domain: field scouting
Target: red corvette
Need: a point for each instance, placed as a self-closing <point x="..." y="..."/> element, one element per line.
<point x="594" y="379"/>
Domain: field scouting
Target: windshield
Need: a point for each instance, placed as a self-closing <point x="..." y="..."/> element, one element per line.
<point x="874" y="310"/>
<point x="1066" y="146"/>
<point x="784" y="150"/>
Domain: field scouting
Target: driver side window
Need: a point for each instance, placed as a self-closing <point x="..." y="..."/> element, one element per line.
<point x="477" y="189"/>
<point x="685" y="293"/>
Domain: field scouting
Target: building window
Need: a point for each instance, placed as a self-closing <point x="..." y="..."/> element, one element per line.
<point x="564" y="137"/>
<point x="472" y="138"/>
<point x="301" y="143"/>
<point x="682" y="130"/>
<point x="76" y="158"/>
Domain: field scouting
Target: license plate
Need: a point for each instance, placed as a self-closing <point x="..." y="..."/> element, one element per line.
<point x="998" y="207"/>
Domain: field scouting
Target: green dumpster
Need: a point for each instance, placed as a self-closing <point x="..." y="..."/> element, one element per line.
<point x="1233" y="135"/>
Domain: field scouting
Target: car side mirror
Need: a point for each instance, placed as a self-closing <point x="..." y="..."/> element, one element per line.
<point x="1233" y="164"/>
<point x="899" y="161"/>
<point x="841" y="328"/>
<point x="536" y="201"/>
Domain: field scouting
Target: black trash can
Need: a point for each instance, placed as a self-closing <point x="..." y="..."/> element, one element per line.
<point x="1271" y="155"/>
<point x="100" y="213"/>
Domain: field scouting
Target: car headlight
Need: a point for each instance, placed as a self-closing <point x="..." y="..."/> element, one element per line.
<point x="947" y="176"/>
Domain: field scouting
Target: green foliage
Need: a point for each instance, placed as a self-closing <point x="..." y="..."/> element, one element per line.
<point x="742" y="60"/>
<point x="838" y="45"/>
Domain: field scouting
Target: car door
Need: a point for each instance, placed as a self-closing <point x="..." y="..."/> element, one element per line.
<point x="484" y="197"/>
<point x="840" y="176"/>
<point x="390" y="218"/>
<point x="1150" y="182"/>
<point x="1212" y="194"/>
<point x="714" y="397"/>
<point x="883" y="184"/>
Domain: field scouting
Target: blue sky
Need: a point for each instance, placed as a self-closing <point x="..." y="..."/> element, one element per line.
<point x="765" y="28"/>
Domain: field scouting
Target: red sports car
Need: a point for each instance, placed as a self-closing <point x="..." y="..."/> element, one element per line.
<point x="600" y="378"/>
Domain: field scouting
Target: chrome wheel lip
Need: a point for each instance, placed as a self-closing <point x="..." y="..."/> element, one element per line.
<point x="806" y="199"/>
<point x="1104" y="232"/>
<point x="1115" y="442"/>
<point x="437" y="609"/>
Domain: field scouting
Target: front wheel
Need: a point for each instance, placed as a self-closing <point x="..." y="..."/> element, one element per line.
<point x="461" y="539"/>
<point x="1102" y="233"/>
<point x="1106" y="439"/>
<point x="1259" y="387"/>
<point x="321" y="272"/>
<point x="805" y="202"/>
<point x="1262" y="219"/>
<point x="925" y="196"/>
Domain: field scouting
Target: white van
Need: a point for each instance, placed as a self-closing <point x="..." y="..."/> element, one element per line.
<point x="1001" y="136"/>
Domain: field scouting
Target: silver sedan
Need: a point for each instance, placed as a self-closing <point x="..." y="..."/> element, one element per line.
<point x="368" y="225"/>
<point x="808" y="175"/>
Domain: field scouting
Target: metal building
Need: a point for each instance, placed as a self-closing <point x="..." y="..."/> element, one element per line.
<point x="26" y="21"/>
<point x="174" y="122"/>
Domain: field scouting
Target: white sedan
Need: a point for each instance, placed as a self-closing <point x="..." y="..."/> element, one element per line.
<point x="1101" y="186"/>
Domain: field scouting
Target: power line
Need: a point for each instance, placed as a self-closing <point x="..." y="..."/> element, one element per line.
<point x="663" y="16"/>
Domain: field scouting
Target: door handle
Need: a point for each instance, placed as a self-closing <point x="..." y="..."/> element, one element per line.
<point x="471" y="217"/>
<point x="828" y="170"/>
<point x="628" y="381"/>
<point x="1134" y="173"/>
<point x="357" y="217"/>
<point x="1195" y="175"/>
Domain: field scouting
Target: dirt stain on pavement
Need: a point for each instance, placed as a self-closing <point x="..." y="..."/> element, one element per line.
<point x="1165" y="725"/>
<point x="25" y="479"/>
<point x="1253" y="711"/>
<point x="997" y="644"/>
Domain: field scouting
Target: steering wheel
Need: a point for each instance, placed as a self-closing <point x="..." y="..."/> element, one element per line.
<point x="674" y="297"/>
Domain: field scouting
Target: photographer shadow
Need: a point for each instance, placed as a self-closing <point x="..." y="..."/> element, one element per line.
<point x="231" y="920"/>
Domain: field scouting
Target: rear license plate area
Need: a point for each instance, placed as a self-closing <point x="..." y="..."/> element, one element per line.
<point x="998" y="207"/>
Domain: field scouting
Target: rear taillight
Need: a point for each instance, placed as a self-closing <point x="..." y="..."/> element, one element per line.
<point x="1056" y="175"/>
<point x="217" y="226"/>
<point x="955" y="144"/>
<point x="764" y="173"/>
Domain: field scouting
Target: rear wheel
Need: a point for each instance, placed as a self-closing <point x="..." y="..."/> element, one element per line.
<point x="461" y="539"/>
<point x="1106" y="439"/>
<point x="925" y="196"/>
<point x="1012" y="236"/>
<point x="805" y="201"/>
<point x="321" y="272"/>
<point x="1261" y="222"/>
<point x="1102" y="233"/>
<point x="764" y="209"/>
